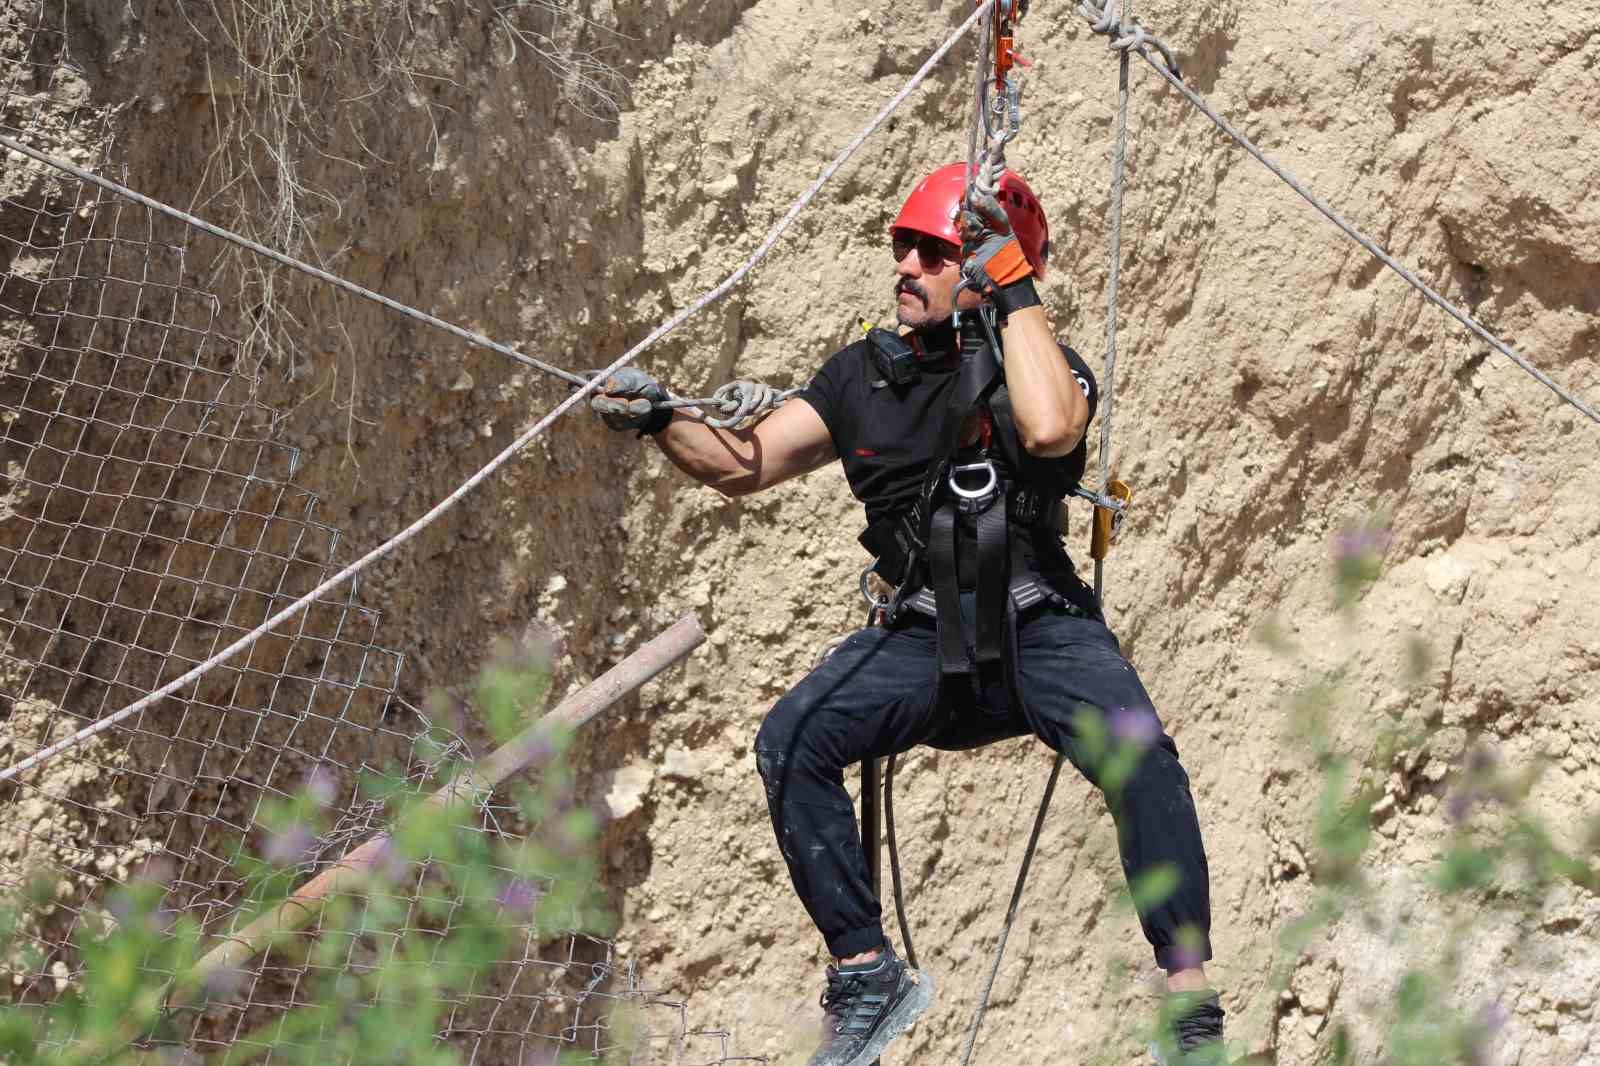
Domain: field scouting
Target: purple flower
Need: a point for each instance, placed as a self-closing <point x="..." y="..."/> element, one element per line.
<point x="1459" y="804"/>
<point x="288" y="846"/>
<point x="542" y="644"/>
<point x="1489" y="1021"/>
<point x="387" y="865"/>
<point x="1135" y="728"/>
<point x="1482" y="760"/>
<point x="1492" y="1016"/>
<point x="222" y="984"/>
<point x="158" y="870"/>
<point x="322" y="785"/>
<point x="518" y="898"/>
<point x="538" y="750"/>
<point x="1186" y="956"/>
<point x="120" y="906"/>
<point x="1359" y="543"/>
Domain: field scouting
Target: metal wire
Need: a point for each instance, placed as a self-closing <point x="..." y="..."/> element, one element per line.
<point x="1011" y="910"/>
<point x="262" y="250"/>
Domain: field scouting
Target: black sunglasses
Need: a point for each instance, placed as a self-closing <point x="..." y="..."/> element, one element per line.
<point x="932" y="251"/>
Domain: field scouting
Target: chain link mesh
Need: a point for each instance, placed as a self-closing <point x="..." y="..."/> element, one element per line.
<point x="149" y="518"/>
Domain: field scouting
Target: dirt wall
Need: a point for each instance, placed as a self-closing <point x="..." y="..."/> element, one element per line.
<point x="1274" y="385"/>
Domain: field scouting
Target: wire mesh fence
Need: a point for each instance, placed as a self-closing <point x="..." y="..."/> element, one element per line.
<point x="148" y="517"/>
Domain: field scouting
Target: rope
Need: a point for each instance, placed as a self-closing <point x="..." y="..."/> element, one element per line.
<point x="587" y="386"/>
<point x="1107" y="396"/>
<point x="1135" y="41"/>
<point x="1011" y="911"/>
<point x="1119" y="163"/>
<point x="894" y="863"/>
<point x="734" y="402"/>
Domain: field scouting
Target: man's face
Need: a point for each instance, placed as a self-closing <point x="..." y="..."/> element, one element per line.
<point x="927" y="271"/>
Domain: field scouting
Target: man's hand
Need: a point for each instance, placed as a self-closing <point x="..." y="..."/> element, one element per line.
<point x="991" y="254"/>
<point x="628" y="401"/>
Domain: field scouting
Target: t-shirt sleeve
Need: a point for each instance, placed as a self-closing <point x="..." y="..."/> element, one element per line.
<point x="826" y="393"/>
<point x="1086" y="380"/>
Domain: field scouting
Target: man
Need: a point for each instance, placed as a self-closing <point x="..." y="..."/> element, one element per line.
<point x="962" y="456"/>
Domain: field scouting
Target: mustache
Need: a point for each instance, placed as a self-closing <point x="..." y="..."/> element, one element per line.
<point x="912" y="286"/>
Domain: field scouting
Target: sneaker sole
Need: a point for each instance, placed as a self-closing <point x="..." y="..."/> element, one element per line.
<point x="919" y="999"/>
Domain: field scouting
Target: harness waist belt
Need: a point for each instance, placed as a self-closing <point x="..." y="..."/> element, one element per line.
<point x="1025" y="593"/>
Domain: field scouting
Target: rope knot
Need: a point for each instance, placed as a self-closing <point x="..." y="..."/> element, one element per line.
<point x="738" y="400"/>
<point x="1132" y="37"/>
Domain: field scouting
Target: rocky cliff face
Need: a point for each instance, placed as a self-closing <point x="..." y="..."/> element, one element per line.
<point x="1274" y="385"/>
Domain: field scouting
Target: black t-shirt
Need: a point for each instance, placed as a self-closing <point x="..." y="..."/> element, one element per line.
<point x="886" y="436"/>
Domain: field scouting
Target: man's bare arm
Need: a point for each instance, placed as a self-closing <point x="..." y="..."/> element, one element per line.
<point x="791" y="441"/>
<point x="1047" y="400"/>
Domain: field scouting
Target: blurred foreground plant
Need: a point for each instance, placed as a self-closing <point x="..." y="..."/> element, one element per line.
<point x="391" y="954"/>
<point x="1498" y="862"/>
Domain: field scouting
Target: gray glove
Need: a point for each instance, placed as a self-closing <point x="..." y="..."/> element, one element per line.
<point x="993" y="263"/>
<point x="628" y="401"/>
<point x="985" y="229"/>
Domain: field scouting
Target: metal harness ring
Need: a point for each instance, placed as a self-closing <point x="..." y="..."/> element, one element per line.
<point x="974" y="494"/>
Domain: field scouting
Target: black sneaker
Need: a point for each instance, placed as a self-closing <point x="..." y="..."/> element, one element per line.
<point x="1190" y="1031"/>
<point x="865" y="1007"/>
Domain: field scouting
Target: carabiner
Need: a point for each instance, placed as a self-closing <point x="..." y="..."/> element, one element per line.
<point x="990" y="484"/>
<point x="1001" y="110"/>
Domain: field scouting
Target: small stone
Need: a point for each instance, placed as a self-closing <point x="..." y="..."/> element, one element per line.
<point x="684" y="764"/>
<point x="1447" y="577"/>
<point x="723" y="187"/>
<point x="462" y="383"/>
<point x="625" y="789"/>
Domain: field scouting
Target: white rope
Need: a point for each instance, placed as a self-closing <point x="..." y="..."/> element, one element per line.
<point x="704" y="300"/>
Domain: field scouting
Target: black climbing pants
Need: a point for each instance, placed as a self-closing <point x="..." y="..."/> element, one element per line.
<point x="876" y="695"/>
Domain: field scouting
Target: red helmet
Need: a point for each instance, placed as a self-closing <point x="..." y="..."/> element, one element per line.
<point x="934" y="205"/>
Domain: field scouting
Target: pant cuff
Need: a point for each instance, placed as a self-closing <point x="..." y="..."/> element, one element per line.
<point x="856" y="942"/>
